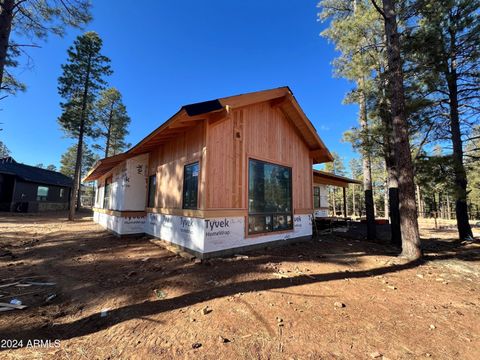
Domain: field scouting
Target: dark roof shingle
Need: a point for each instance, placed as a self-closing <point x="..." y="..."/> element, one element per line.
<point x="33" y="174"/>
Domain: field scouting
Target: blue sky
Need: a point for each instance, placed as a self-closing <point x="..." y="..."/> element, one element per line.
<point x="169" y="53"/>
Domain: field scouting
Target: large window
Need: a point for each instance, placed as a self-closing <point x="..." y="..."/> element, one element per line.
<point x="108" y="191"/>
<point x="42" y="193"/>
<point x="152" y="187"/>
<point x="190" y="186"/>
<point x="269" y="197"/>
<point x="316" y="197"/>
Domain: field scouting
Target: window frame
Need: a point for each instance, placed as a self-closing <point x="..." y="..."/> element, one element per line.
<point x="151" y="205"/>
<point x="184" y="206"/>
<point x="318" y="196"/>
<point x="272" y="215"/>
<point x="42" y="198"/>
<point x="107" y="186"/>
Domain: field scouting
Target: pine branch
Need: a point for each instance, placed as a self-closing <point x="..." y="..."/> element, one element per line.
<point x="380" y="11"/>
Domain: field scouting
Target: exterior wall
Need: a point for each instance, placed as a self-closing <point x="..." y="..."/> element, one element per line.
<point x="261" y="132"/>
<point x="121" y="225"/>
<point x="216" y="235"/>
<point x="6" y="191"/>
<point x="24" y="197"/>
<point x="187" y="232"/>
<point x="135" y="189"/>
<point x="99" y="193"/>
<point x="229" y="233"/>
<point x="168" y="161"/>
<point x="324" y="201"/>
<point x="129" y="185"/>
<point x="222" y="150"/>
<point x="128" y="195"/>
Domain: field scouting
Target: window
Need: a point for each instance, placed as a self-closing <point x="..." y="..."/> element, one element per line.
<point x="42" y="193"/>
<point x="316" y="197"/>
<point x="108" y="190"/>
<point x="62" y="192"/>
<point x="269" y="197"/>
<point x="190" y="186"/>
<point x="152" y="187"/>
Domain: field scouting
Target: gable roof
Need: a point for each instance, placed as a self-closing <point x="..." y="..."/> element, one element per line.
<point x="34" y="174"/>
<point x="215" y="110"/>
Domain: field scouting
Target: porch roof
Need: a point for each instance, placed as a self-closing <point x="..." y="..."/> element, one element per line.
<point x="326" y="178"/>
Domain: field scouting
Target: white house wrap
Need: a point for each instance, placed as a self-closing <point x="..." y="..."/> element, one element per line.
<point x="218" y="177"/>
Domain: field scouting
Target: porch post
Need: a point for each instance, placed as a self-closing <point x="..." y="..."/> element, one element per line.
<point x="344" y="203"/>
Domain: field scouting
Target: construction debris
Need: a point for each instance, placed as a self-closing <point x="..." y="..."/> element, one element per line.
<point x="17" y="297"/>
<point x="13" y="306"/>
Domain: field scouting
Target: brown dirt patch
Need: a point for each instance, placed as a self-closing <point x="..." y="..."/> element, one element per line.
<point x="275" y="304"/>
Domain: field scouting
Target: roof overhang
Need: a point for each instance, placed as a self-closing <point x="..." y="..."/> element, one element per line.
<point x="103" y="166"/>
<point x="326" y="178"/>
<point x="216" y="110"/>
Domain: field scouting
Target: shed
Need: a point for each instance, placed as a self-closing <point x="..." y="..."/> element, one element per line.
<point x="25" y="188"/>
<point x="218" y="177"/>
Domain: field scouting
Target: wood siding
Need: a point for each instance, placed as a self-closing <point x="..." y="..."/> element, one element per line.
<point x="257" y="131"/>
<point x="168" y="162"/>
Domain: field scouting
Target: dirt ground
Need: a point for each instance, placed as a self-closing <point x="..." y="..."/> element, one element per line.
<point x="334" y="298"/>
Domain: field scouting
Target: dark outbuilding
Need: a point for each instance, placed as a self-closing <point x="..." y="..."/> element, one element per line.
<point x="25" y="188"/>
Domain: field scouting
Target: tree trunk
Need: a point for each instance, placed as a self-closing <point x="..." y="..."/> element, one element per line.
<point x="79" y="192"/>
<point x="419" y="202"/>
<point x="6" y="17"/>
<point x="354" y="210"/>
<point x="367" y="169"/>
<point x="334" y="201"/>
<point x="392" y="174"/>
<point x="461" y="209"/>
<point x="78" y="163"/>
<point x="406" y="187"/>
<point x="449" y="208"/>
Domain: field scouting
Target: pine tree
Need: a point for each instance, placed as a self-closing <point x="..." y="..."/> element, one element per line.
<point x="34" y="19"/>
<point x="446" y="54"/>
<point x="400" y="134"/>
<point x="356" y="173"/>
<point x="69" y="158"/>
<point x="82" y="78"/>
<point x="352" y="29"/>
<point x="4" y="152"/>
<point x="111" y="115"/>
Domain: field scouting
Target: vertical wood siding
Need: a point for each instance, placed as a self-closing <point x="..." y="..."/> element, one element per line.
<point x="168" y="162"/>
<point x="256" y="131"/>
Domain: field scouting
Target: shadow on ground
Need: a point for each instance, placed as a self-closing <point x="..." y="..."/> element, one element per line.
<point x="90" y="264"/>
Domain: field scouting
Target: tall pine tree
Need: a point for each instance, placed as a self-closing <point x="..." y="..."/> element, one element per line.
<point x="400" y="131"/>
<point x="352" y="29"/>
<point x="446" y="56"/>
<point x="111" y="115"/>
<point x="82" y="79"/>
